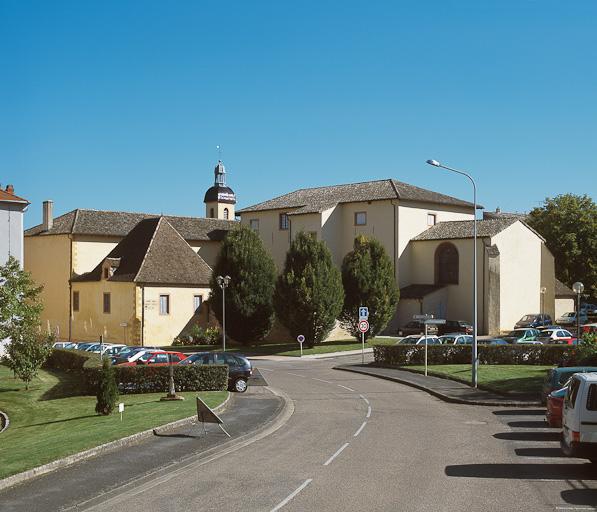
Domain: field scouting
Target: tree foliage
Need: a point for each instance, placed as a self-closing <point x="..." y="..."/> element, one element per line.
<point x="107" y="389"/>
<point x="309" y="292"/>
<point x="20" y="310"/>
<point x="368" y="279"/>
<point x="568" y="223"/>
<point x="249" y="295"/>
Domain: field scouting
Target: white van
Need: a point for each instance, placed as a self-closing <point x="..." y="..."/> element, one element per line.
<point x="579" y="417"/>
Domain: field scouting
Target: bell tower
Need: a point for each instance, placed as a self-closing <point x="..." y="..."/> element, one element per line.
<point x="220" y="200"/>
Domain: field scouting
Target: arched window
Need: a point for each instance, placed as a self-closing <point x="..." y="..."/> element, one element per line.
<point x="226" y="213"/>
<point x="446" y="264"/>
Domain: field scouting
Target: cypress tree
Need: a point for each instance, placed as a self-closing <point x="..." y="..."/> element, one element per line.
<point x="309" y="293"/>
<point x="249" y="295"/>
<point x="107" y="390"/>
<point x="368" y="280"/>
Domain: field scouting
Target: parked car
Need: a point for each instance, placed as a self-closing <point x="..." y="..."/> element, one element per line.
<point x="518" y="335"/>
<point x="588" y="309"/>
<point x="156" y="358"/>
<point x="132" y="354"/>
<point x="239" y="367"/>
<point x="558" y="336"/>
<point x="555" y="401"/>
<point x="61" y="344"/>
<point x="419" y="340"/>
<point x="456" y="339"/>
<point x="534" y="320"/>
<point x="579" y="417"/>
<point x="84" y="346"/>
<point x="416" y="327"/>
<point x="497" y="341"/>
<point x="590" y="328"/>
<point x="569" y="319"/>
<point x="455" y="326"/>
<point x="556" y="378"/>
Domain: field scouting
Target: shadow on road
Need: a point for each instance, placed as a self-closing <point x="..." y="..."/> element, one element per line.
<point x="527" y="424"/>
<point x="580" y="496"/>
<point x="518" y="412"/>
<point x="525" y="471"/>
<point x="528" y="436"/>
<point x="539" y="452"/>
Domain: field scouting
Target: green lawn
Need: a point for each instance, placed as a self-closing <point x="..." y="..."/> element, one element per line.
<point x="501" y="378"/>
<point x="47" y="424"/>
<point x="291" y="349"/>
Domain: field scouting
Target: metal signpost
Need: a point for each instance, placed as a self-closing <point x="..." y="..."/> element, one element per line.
<point x="427" y="320"/>
<point x="363" y="327"/>
<point x="301" y="339"/>
<point x="101" y="347"/>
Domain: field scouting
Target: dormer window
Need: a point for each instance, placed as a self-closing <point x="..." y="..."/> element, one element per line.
<point x="109" y="267"/>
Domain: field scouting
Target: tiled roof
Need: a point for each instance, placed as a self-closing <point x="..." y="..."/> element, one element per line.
<point x="464" y="229"/>
<point x="106" y="223"/>
<point x="154" y="253"/>
<point x="7" y="196"/>
<point x="562" y="290"/>
<point x="313" y="200"/>
<point x="418" y="291"/>
<point x="503" y="215"/>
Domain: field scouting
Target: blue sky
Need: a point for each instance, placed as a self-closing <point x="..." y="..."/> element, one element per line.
<point x="120" y="105"/>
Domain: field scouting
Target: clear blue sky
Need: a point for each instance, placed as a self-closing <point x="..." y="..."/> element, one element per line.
<point x="120" y="105"/>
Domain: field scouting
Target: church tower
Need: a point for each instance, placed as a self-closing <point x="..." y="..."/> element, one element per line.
<point x="219" y="200"/>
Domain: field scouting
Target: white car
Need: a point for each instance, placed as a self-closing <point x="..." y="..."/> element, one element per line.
<point x="570" y="318"/>
<point x="419" y="340"/>
<point x="456" y="339"/>
<point x="579" y="417"/>
<point x="555" y="336"/>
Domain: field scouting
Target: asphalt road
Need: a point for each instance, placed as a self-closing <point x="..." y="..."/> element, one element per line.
<point x="357" y="443"/>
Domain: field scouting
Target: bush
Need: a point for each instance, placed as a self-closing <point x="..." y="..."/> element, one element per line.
<point x="71" y="360"/>
<point x="154" y="379"/>
<point x="404" y="355"/>
<point x="107" y="390"/>
<point x="199" y="336"/>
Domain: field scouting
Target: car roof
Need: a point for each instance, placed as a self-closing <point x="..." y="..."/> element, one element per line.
<point x="591" y="377"/>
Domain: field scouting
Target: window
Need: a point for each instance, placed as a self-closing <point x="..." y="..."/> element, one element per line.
<point x="254" y="224"/>
<point x="75" y="301"/>
<point x="197" y="301"/>
<point x="106" y="273"/>
<point x="226" y="213"/>
<point x="431" y="219"/>
<point x="283" y="221"/>
<point x="360" y="218"/>
<point x="572" y="393"/>
<point x="592" y="398"/>
<point x="107" y="303"/>
<point x="164" y="304"/>
<point x="211" y="213"/>
<point x="446" y="264"/>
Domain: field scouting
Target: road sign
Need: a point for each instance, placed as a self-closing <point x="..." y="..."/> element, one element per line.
<point x="300" y="338"/>
<point x="422" y="317"/>
<point x="363" y="313"/>
<point x="437" y="321"/>
<point x="363" y="326"/>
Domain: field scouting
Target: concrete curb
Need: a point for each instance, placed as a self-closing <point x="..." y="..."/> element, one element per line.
<point x="4" y="421"/>
<point x="98" y="450"/>
<point x="336" y="354"/>
<point x="438" y="394"/>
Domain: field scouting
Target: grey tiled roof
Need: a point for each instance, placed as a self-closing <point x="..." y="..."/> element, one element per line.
<point x="503" y="215"/>
<point x="153" y="252"/>
<point x="562" y="290"/>
<point x="464" y="229"/>
<point x="107" y="223"/>
<point x="313" y="200"/>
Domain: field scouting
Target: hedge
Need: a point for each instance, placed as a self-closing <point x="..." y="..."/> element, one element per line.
<point x="155" y="379"/>
<point x="404" y="355"/>
<point x="71" y="360"/>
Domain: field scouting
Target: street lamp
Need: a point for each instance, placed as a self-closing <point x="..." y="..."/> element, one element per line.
<point x="475" y="359"/>
<point x="223" y="283"/>
<point x="578" y="288"/>
<point x="543" y="291"/>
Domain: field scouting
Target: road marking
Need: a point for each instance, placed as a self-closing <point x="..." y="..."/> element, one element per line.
<point x="349" y="389"/>
<point x="296" y="375"/>
<point x="360" y="429"/>
<point x="368" y="412"/>
<point x="329" y="461"/>
<point x="265" y="370"/>
<point x="366" y="401"/>
<point x="321" y="380"/>
<point x="292" y="495"/>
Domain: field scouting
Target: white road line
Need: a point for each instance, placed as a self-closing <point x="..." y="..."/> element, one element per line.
<point x="265" y="370"/>
<point x="329" y="461"/>
<point x="366" y="401"/>
<point x="296" y="375"/>
<point x="368" y="412"/>
<point x="349" y="389"/>
<point x="321" y="380"/>
<point x="360" y="429"/>
<point x="292" y="495"/>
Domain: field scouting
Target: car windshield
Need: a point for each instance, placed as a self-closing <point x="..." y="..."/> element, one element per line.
<point x="516" y="334"/>
<point x="527" y="318"/>
<point x="568" y="315"/>
<point x="409" y="340"/>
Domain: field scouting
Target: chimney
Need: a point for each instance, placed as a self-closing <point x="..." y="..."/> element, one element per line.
<point x="10" y="189"/>
<point x="48" y="215"/>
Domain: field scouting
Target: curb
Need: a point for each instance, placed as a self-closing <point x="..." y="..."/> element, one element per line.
<point x="98" y="450"/>
<point x="4" y="421"/>
<point x="442" y="396"/>
<point x="336" y="354"/>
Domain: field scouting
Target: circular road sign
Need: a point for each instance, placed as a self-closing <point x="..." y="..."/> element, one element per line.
<point x="300" y="338"/>
<point x="363" y="326"/>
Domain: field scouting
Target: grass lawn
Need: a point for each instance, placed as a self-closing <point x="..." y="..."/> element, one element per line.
<point x="291" y="349"/>
<point x="47" y="424"/>
<point x="501" y="378"/>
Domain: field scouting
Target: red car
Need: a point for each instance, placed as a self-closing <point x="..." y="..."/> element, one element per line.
<point x="160" y="358"/>
<point x="555" y="401"/>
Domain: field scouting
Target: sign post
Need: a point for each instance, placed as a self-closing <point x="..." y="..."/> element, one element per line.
<point x="428" y="320"/>
<point x="101" y="347"/>
<point x="301" y="339"/>
<point x="120" y="409"/>
<point x="363" y="327"/>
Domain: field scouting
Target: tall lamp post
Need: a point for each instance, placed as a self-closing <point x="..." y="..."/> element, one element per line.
<point x="543" y="291"/>
<point x="223" y="283"/>
<point x="578" y="288"/>
<point x="475" y="359"/>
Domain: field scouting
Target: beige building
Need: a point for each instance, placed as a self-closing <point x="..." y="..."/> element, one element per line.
<point x="565" y="300"/>
<point x="426" y="234"/>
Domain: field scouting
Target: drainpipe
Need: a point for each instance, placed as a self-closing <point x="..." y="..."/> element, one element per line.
<point x="70" y="291"/>
<point x="142" y="316"/>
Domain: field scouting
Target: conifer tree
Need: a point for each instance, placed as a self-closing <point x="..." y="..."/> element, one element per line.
<point x="107" y="390"/>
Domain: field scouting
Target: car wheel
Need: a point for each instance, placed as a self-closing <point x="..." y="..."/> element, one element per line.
<point x="240" y="385"/>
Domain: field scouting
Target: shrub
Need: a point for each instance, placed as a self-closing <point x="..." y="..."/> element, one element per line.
<point x="404" y="355"/>
<point x="71" y="360"/>
<point x="107" y="390"/>
<point x="199" y="336"/>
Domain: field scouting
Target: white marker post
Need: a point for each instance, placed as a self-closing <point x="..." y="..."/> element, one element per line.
<point x="363" y="317"/>
<point x="120" y="409"/>
<point x="301" y="339"/>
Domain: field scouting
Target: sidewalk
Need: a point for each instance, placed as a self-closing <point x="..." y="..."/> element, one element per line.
<point x="328" y="355"/>
<point x="445" y="389"/>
